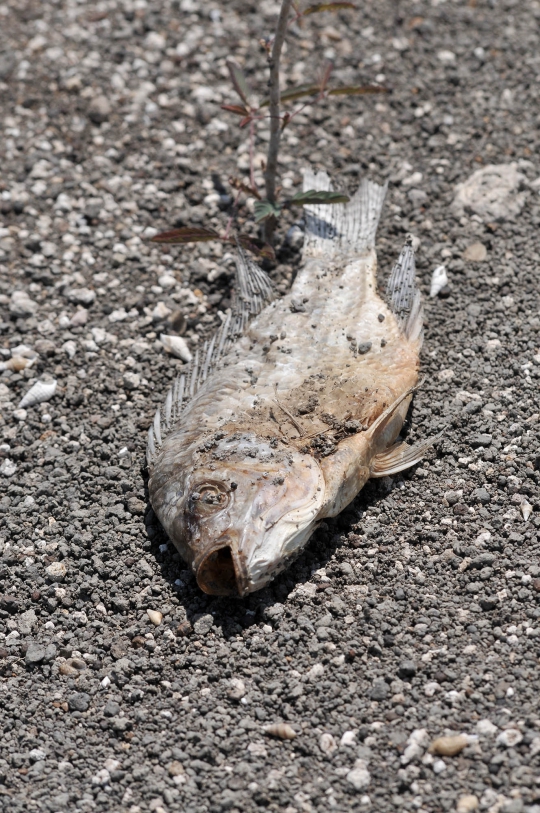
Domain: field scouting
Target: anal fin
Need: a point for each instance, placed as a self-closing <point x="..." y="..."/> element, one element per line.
<point x="400" y="456"/>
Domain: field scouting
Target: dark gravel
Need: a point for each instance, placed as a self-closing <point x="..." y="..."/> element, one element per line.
<point x="413" y="615"/>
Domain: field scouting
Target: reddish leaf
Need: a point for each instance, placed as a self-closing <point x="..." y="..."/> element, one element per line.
<point x="237" y="109"/>
<point x="236" y="183"/>
<point x="326" y="76"/>
<point x="239" y="81"/>
<point x="327" y="7"/>
<point x="186" y="234"/>
<point x="263" y="250"/>
<point x="362" y="90"/>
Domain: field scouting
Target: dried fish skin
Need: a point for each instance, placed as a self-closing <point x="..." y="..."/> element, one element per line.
<point x="284" y="415"/>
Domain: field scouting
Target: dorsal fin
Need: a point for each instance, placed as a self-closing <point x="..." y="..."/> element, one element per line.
<point x="254" y="291"/>
<point x="341" y="228"/>
<point x="402" y="294"/>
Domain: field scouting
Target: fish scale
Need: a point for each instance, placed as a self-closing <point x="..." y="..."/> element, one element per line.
<point x="294" y="404"/>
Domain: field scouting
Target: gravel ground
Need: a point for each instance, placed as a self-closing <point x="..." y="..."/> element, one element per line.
<point x="412" y="616"/>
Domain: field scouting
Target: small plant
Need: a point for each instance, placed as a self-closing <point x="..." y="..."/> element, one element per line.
<point x="268" y="209"/>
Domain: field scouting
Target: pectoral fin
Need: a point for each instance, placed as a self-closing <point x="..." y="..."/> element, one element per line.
<point x="400" y="456"/>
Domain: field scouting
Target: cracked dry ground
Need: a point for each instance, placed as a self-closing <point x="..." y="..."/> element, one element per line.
<point x="414" y="614"/>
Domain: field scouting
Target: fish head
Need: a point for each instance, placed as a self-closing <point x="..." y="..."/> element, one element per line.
<point x="239" y="512"/>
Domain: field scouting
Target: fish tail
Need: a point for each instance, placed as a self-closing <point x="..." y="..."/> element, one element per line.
<point x="341" y="228"/>
<point x="403" y="296"/>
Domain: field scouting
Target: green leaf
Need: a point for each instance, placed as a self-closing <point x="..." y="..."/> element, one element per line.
<point x="186" y="234"/>
<point x="264" y="209"/>
<point x="315" y="196"/>
<point x="361" y="90"/>
<point x="327" y="7"/>
<point x="292" y="94"/>
<point x="239" y="81"/>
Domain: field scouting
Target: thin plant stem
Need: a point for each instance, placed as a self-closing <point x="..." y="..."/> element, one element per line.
<point x="275" y="119"/>
<point x="231" y="218"/>
<point x="251" y="153"/>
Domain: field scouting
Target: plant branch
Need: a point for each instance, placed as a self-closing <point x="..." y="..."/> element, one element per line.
<point x="275" y="120"/>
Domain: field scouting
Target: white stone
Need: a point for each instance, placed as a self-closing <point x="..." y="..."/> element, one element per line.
<point x="491" y="192"/>
<point x="56" y="571"/>
<point x="8" y="468"/>
<point x="439" y="766"/>
<point x="359" y="776"/>
<point x="21" y="304"/>
<point x="510" y="737"/>
<point x="84" y="296"/>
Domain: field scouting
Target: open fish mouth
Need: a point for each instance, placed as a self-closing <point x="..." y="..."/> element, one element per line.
<point x="222" y="572"/>
<point x="241" y="543"/>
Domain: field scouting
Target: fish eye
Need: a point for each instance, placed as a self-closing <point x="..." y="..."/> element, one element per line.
<point x="207" y="497"/>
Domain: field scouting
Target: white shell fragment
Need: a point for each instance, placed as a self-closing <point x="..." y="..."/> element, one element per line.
<point x="526" y="509"/>
<point x="40" y="392"/>
<point x="327" y="743"/>
<point x="8" y="468"/>
<point x="439" y="280"/>
<point x="491" y="192"/>
<point x="282" y="731"/>
<point x="176" y="346"/>
<point x="155" y="617"/>
<point x="70" y="348"/>
<point x="16" y="363"/>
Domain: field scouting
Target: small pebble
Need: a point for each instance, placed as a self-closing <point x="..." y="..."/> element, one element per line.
<point x="510" y="737"/>
<point x="449" y="746"/>
<point x="175" y="768"/>
<point x="56" y="571"/>
<point x="99" y="109"/>
<point x="467" y="804"/>
<point x="237" y="689"/>
<point x="486" y="727"/>
<point x="359" y="777"/>
<point x="476" y="252"/>
<point x="439" y="766"/>
<point x="80" y="701"/>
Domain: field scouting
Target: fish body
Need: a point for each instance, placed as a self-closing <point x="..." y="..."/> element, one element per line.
<point x="295" y="404"/>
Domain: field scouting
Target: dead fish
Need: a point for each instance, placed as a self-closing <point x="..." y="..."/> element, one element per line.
<point x="283" y="416"/>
